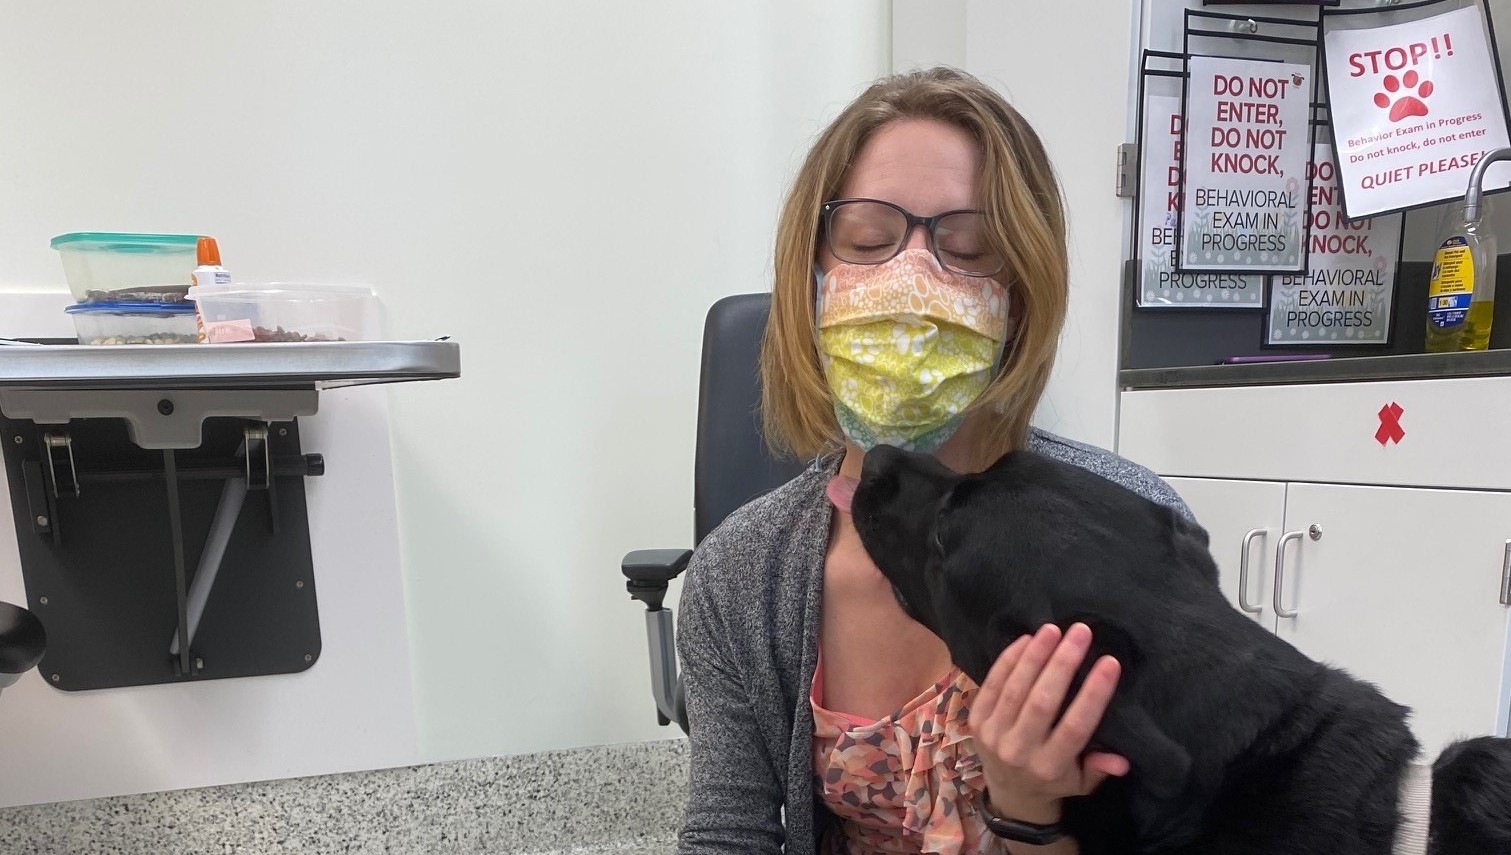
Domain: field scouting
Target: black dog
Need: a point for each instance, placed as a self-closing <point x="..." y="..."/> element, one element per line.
<point x="1238" y="743"/>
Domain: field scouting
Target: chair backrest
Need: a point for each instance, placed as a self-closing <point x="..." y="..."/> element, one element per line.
<point x="733" y="464"/>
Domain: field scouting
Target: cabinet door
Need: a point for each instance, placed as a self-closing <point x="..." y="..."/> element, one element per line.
<point x="1244" y="520"/>
<point x="1402" y="588"/>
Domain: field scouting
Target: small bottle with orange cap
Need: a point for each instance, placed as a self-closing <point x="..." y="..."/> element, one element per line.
<point x="208" y="272"/>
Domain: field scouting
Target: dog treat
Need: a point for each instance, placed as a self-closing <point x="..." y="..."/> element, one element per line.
<point x="155" y="338"/>
<point x="282" y="335"/>
<point x="149" y="294"/>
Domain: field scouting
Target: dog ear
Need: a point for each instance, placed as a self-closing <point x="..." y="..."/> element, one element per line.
<point x="1158" y="778"/>
<point x="1161" y="767"/>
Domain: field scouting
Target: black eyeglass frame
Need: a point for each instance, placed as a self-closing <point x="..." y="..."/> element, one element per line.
<point x="826" y="212"/>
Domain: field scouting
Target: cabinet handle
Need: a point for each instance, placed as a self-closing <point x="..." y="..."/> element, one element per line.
<point x="1243" y="571"/>
<point x="1289" y="536"/>
<point x="1506" y="576"/>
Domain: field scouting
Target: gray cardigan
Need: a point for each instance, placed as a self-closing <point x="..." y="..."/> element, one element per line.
<point x="748" y="641"/>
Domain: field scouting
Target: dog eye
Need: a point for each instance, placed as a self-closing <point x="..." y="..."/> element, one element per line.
<point x="938" y="541"/>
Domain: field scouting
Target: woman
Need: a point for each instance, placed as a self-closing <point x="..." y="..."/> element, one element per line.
<point x="920" y="289"/>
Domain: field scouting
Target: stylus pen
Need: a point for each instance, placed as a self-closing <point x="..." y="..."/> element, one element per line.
<point x="1299" y="357"/>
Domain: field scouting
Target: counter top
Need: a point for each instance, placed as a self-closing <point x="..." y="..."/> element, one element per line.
<point x="611" y="800"/>
<point x="1416" y="366"/>
<point x="225" y="366"/>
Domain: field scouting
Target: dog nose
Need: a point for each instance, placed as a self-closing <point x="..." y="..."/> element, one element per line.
<point x="879" y="461"/>
<point x="883" y="458"/>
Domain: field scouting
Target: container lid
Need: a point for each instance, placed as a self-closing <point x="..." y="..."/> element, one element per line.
<point x="126" y="242"/>
<point x="165" y="310"/>
<point x="276" y="289"/>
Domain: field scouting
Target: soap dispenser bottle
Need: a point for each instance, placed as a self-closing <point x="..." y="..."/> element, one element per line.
<point x="1461" y="293"/>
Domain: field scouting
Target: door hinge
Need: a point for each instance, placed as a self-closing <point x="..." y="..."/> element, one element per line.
<point x="1506" y="576"/>
<point x="1126" y="175"/>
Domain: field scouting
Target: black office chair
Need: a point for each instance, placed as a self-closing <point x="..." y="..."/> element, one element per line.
<point x="732" y="466"/>
<point x="22" y="643"/>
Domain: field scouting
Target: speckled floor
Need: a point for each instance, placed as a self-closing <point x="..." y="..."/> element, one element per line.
<point x="613" y="800"/>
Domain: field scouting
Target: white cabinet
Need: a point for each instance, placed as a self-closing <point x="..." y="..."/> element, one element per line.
<point x="1400" y="587"/>
<point x="1403" y="589"/>
<point x="1244" y="520"/>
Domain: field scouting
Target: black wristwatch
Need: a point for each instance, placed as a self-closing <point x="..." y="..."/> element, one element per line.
<point x="1017" y="830"/>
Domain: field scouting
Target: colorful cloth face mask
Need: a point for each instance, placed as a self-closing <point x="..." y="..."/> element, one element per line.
<point x="907" y="346"/>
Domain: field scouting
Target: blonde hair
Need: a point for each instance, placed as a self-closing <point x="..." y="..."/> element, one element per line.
<point x="1025" y="219"/>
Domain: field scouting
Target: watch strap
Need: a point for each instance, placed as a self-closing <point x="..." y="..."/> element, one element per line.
<point x="1017" y="830"/>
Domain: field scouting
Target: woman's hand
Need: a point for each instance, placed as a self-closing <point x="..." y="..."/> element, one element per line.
<point x="1031" y="762"/>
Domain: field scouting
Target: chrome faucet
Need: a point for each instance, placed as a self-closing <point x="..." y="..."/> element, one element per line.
<point x="1477" y="182"/>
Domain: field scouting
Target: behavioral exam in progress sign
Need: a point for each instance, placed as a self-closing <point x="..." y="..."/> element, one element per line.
<point x="1414" y="107"/>
<point x="1345" y="296"/>
<point x="1160" y="283"/>
<point x="1247" y="140"/>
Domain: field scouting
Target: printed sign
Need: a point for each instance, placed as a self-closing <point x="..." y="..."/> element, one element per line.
<point x="1247" y="139"/>
<point x="1160" y="284"/>
<point x="1414" y="106"/>
<point x="1346" y="293"/>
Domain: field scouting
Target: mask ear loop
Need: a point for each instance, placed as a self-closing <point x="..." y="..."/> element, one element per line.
<point x="1009" y="332"/>
<point x="838" y="448"/>
<point x="818" y="297"/>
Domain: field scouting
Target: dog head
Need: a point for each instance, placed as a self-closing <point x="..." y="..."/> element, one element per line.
<point x="983" y="559"/>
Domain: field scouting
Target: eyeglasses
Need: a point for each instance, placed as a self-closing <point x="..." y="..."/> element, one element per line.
<point x="869" y="231"/>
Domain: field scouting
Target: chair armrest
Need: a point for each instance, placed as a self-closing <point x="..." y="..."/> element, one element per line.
<point x="655" y="565"/>
<point x="22" y="640"/>
<point x="650" y="570"/>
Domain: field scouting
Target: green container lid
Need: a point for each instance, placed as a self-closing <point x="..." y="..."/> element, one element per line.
<point x="126" y="242"/>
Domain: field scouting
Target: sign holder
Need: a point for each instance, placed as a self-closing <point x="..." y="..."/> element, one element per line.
<point x="1270" y="2"/>
<point x="1270" y="342"/>
<point x="1154" y="261"/>
<point x="1289" y="41"/>
<point x="1403" y="13"/>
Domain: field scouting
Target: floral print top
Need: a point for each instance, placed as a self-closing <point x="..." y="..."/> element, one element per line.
<point x="907" y="783"/>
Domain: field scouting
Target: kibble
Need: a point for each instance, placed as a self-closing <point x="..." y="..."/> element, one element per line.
<point x="283" y="335"/>
<point x="155" y="338"/>
<point x="150" y="294"/>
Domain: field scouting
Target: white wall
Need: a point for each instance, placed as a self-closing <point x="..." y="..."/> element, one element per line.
<point x="352" y="710"/>
<point x="564" y="187"/>
<point x="1068" y="75"/>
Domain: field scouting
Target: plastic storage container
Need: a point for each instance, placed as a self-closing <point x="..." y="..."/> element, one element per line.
<point x="135" y="323"/>
<point x="280" y="312"/>
<point x="97" y="263"/>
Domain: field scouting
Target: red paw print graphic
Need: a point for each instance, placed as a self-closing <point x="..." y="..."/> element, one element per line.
<point x="1410" y="102"/>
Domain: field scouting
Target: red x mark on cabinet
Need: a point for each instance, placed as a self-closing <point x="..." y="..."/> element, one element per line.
<point x="1390" y="424"/>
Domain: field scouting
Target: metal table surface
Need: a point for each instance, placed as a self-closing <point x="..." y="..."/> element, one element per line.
<point x="318" y="365"/>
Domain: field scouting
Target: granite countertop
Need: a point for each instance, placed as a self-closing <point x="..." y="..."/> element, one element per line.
<point x="622" y="799"/>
